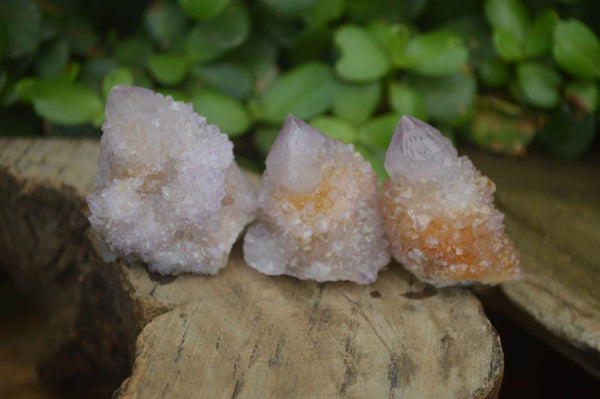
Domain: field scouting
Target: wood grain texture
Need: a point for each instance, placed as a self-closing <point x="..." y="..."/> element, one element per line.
<point x="553" y="214"/>
<point x="240" y="334"/>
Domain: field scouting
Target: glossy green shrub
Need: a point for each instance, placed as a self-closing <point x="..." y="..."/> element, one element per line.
<point x="498" y="73"/>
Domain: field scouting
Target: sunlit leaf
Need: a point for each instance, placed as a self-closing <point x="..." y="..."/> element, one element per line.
<point x="168" y="68"/>
<point x="576" y="49"/>
<point x="436" y="53"/>
<point x="511" y="16"/>
<point x="507" y="45"/>
<point x="64" y="103"/>
<point x="304" y="91"/>
<point x="539" y="84"/>
<point x="227" y="113"/>
<point x="362" y="58"/>
<point x="336" y="128"/>
<point x="118" y="76"/>
<point x="449" y="98"/>
<point x="407" y="101"/>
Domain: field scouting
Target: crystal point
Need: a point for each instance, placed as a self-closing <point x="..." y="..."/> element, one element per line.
<point x="319" y="214"/>
<point x="439" y="212"/>
<point x="168" y="190"/>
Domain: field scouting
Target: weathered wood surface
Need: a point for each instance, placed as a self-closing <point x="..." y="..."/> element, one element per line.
<point x="553" y="214"/>
<point x="239" y="334"/>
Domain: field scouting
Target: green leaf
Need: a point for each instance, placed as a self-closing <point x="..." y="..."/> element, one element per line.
<point x="203" y="9"/>
<point x="207" y="40"/>
<point x="493" y="72"/>
<point x="507" y="46"/>
<point x="362" y="59"/>
<point x="583" y="95"/>
<point x="576" y="49"/>
<point x="510" y="16"/>
<point x="407" y="101"/>
<point x="539" y="37"/>
<point x="304" y="91"/>
<point x="376" y="158"/>
<point x="22" y="19"/>
<point x="118" y="76"/>
<point x="336" y="128"/>
<point x="134" y="51"/>
<point x="228" y="78"/>
<point x="449" y="98"/>
<point x="378" y="132"/>
<point x="227" y="113"/>
<point x="53" y="59"/>
<point x="356" y="102"/>
<point x="393" y="37"/>
<point x="64" y="103"/>
<point x="168" y="68"/>
<point x="166" y="23"/>
<point x="436" y="53"/>
<point x="288" y="7"/>
<point x="539" y="84"/>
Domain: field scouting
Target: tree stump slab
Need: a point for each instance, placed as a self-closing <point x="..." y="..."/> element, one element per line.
<point x="239" y="334"/>
<point x="552" y="212"/>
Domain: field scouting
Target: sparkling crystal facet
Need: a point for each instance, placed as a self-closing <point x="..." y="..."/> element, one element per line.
<point x="168" y="190"/>
<point x="439" y="212"/>
<point x="319" y="212"/>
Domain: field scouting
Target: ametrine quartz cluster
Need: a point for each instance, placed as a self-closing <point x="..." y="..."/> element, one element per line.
<point x="439" y="212"/>
<point x="168" y="190"/>
<point x="319" y="214"/>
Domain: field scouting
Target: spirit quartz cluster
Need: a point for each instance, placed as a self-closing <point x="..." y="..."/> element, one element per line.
<point x="168" y="190"/>
<point x="439" y="213"/>
<point x="319" y="214"/>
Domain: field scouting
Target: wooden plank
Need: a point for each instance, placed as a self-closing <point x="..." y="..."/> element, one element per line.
<point x="239" y="334"/>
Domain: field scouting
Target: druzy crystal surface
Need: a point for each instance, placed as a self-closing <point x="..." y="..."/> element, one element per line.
<point x="439" y="212"/>
<point x="319" y="214"/>
<point x="168" y="190"/>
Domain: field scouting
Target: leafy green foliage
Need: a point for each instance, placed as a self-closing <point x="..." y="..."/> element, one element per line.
<point x="501" y="74"/>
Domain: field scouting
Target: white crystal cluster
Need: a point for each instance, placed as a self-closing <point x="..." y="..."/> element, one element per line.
<point x="168" y="190"/>
<point x="319" y="214"/>
<point x="439" y="212"/>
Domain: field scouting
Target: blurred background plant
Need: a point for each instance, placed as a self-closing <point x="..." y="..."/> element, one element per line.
<point x="501" y="74"/>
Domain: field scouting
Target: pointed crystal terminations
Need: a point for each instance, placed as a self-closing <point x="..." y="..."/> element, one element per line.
<point x="168" y="190"/>
<point x="319" y="214"/>
<point x="439" y="212"/>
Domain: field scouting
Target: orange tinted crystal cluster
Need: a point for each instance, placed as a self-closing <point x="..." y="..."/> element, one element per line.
<point x="439" y="214"/>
